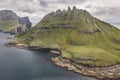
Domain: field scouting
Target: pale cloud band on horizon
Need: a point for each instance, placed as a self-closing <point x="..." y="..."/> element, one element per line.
<point x="107" y="10"/>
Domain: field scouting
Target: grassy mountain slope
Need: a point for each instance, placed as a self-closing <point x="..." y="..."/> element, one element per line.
<point x="8" y="25"/>
<point x="80" y="37"/>
<point x="8" y="20"/>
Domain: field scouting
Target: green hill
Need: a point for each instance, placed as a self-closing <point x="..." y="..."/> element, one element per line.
<point x="10" y="22"/>
<point x="80" y="37"/>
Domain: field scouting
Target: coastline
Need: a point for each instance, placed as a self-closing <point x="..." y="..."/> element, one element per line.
<point x="101" y="73"/>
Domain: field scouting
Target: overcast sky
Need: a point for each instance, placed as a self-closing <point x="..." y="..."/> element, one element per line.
<point x="107" y="10"/>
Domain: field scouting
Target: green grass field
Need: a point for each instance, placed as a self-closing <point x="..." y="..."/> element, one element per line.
<point x="104" y="51"/>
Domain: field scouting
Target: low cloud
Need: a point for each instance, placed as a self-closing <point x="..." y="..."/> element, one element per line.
<point x="88" y="6"/>
<point x="107" y="10"/>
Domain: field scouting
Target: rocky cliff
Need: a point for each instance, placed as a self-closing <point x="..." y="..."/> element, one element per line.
<point x="26" y="21"/>
<point x="10" y="22"/>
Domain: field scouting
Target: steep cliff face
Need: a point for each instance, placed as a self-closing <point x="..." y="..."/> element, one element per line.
<point x="20" y="29"/>
<point x="26" y="21"/>
<point x="80" y="37"/>
<point x="10" y="22"/>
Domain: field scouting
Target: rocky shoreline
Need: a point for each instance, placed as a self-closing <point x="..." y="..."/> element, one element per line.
<point x="101" y="73"/>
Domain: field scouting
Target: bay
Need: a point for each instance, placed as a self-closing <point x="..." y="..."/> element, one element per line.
<point x="21" y="64"/>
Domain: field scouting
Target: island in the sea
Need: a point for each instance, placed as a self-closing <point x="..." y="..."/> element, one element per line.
<point x="86" y="44"/>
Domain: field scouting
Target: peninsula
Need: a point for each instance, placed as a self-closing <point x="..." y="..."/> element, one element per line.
<point x="87" y="45"/>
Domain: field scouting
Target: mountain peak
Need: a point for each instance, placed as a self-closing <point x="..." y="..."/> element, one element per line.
<point x="7" y="12"/>
<point x="69" y="14"/>
<point x="74" y="8"/>
<point x="77" y="18"/>
<point x="69" y="9"/>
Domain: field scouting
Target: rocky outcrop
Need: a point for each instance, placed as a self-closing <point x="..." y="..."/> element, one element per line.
<point x="13" y="24"/>
<point x="69" y="14"/>
<point x="26" y="21"/>
<point x="71" y="18"/>
<point x="20" y="29"/>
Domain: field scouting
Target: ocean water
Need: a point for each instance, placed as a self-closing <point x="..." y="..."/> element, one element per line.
<point x="21" y="64"/>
